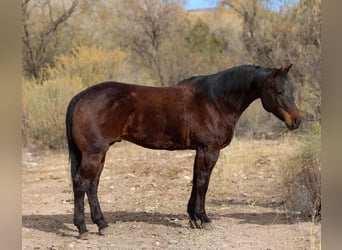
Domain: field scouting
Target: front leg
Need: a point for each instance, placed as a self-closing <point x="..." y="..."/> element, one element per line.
<point x="205" y="161"/>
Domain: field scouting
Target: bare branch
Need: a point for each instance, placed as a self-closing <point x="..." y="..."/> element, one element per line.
<point x="54" y="25"/>
<point x="35" y="55"/>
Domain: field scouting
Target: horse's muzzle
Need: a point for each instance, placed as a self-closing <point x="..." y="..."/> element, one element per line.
<point x="292" y="119"/>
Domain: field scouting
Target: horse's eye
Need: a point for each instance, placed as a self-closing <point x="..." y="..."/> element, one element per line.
<point x="280" y="91"/>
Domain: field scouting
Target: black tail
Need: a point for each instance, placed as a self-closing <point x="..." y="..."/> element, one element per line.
<point x="75" y="155"/>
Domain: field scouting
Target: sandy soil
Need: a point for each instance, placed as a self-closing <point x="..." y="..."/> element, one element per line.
<point x="144" y="194"/>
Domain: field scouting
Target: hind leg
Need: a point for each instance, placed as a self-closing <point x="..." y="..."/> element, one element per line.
<point x="94" y="204"/>
<point x="86" y="181"/>
<point x="79" y="187"/>
<point x="95" y="209"/>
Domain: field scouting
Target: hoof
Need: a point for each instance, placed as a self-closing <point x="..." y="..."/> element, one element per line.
<point x="207" y="225"/>
<point x="84" y="236"/>
<point x="194" y="224"/>
<point x="105" y="230"/>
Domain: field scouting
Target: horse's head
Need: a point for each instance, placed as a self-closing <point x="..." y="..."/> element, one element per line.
<point x="277" y="97"/>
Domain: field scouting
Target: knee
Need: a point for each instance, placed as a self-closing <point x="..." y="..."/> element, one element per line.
<point x="79" y="183"/>
<point x="202" y="181"/>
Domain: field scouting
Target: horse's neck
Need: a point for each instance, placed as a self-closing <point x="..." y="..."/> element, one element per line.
<point x="239" y="101"/>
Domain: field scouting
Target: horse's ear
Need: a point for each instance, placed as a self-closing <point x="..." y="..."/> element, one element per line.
<point x="275" y="73"/>
<point x="286" y="70"/>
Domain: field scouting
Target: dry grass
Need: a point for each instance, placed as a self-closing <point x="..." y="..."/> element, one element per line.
<point x="283" y="174"/>
<point x="251" y="172"/>
<point x="302" y="176"/>
<point x="252" y="169"/>
<point x="43" y="112"/>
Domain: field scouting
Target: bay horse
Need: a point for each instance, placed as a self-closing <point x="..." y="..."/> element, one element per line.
<point x="199" y="113"/>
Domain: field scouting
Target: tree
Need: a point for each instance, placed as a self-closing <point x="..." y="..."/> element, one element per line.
<point x="248" y="11"/>
<point x="41" y="22"/>
<point x="262" y="28"/>
<point x="147" y="30"/>
<point x="202" y="40"/>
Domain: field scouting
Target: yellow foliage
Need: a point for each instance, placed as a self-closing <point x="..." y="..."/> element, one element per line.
<point x="90" y="64"/>
<point x="44" y="108"/>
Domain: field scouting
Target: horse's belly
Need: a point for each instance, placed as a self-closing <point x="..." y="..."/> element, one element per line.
<point x="157" y="127"/>
<point x="154" y="139"/>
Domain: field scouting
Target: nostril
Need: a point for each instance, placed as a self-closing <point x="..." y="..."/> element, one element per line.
<point x="295" y="122"/>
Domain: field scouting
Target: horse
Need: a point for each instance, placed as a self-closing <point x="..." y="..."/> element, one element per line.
<point x="199" y="113"/>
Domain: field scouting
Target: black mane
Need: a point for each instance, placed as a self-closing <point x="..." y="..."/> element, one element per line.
<point x="240" y="78"/>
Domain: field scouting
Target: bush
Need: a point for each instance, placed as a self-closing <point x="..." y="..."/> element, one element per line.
<point x="44" y="108"/>
<point x="302" y="176"/>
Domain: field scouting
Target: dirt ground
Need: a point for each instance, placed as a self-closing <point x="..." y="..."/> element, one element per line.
<point x="144" y="195"/>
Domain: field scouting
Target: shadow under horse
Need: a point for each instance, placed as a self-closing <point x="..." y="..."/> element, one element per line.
<point x="199" y="113"/>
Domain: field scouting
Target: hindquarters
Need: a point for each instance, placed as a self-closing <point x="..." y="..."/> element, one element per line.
<point x="101" y="116"/>
<point x="90" y="129"/>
